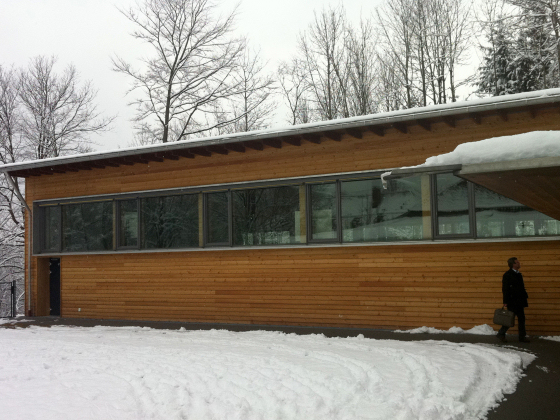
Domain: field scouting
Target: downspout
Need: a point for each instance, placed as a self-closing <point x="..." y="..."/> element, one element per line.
<point x="30" y="249"/>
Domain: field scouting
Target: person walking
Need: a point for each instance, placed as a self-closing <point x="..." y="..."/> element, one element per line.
<point x="515" y="298"/>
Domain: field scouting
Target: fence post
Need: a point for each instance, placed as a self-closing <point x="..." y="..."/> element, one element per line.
<point x="13" y="299"/>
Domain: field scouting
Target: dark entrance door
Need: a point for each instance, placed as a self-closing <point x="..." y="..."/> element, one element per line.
<point x="54" y="286"/>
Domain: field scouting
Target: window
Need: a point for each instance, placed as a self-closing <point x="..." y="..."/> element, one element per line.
<point x="217" y="218"/>
<point x="53" y="221"/>
<point x="324" y="212"/>
<point x="453" y="216"/>
<point x="266" y="216"/>
<point x="499" y="216"/>
<point x="128" y="223"/>
<point x="170" y="221"/>
<point x="371" y="213"/>
<point x="87" y="226"/>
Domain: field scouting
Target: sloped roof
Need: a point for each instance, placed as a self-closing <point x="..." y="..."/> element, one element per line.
<point x="294" y="135"/>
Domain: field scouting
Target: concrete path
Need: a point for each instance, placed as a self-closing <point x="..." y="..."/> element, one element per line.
<point x="537" y="396"/>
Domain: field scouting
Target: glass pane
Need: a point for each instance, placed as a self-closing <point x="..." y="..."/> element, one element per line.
<point x="323" y="211"/>
<point x="266" y="216"/>
<point x="372" y="213"/>
<point x="128" y="223"/>
<point x="499" y="216"/>
<point x="52" y="228"/>
<point x="452" y="205"/>
<point x="87" y="226"/>
<point x="217" y="218"/>
<point x="170" y="222"/>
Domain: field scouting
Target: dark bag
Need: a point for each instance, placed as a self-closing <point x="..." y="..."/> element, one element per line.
<point x="504" y="317"/>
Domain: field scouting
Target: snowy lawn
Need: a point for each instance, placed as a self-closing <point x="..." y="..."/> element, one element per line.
<point x="141" y="373"/>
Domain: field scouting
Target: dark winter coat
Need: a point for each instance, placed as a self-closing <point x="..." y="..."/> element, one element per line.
<point x="513" y="289"/>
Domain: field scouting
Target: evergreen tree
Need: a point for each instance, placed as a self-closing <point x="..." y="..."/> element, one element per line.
<point x="496" y="75"/>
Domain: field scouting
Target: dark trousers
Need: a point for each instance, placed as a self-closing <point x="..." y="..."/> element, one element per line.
<point x="519" y="312"/>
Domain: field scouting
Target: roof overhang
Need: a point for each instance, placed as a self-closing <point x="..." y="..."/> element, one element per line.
<point x="316" y="133"/>
<point x="532" y="182"/>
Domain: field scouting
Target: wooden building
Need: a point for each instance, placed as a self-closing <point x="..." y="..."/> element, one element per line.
<point x="293" y="226"/>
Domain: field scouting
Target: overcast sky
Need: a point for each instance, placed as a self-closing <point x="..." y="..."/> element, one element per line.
<point x="88" y="33"/>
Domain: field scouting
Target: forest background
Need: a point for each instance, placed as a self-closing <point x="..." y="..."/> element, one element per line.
<point x="192" y="72"/>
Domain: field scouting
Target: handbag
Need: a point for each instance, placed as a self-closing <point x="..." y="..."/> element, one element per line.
<point x="504" y="317"/>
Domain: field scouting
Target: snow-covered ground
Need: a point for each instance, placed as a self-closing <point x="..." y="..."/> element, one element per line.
<point x="141" y="373"/>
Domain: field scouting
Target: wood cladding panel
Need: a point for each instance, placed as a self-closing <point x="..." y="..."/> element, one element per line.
<point x="316" y="286"/>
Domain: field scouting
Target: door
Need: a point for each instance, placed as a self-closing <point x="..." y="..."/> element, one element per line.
<point x="54" y="286"/>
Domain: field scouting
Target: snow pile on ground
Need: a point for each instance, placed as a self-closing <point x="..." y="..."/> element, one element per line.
<point x="141" y="373"/>
<point x="478" y="330"/>
<point x="13" y="320"/>
<point x="535" y="144"/>
<point x="552" y="337"/>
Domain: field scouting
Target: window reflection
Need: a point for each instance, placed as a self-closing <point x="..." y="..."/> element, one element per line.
<point x="170" y="221"/>
<point x="372" y="213"/>
<point x="265" y="216"/>
<point x="452" y="205"/>
<point x="128" y="223"/>
<point x="87" y="226"/>
<point x="499" y="216"/>
<point x="52" y="228"/>
<point x="217" y="218"/>
<point x="323" y="211"/>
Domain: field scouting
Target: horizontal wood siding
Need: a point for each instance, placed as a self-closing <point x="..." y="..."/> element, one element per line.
<point x="369" y="286"/>
<point x="439" y="285"/>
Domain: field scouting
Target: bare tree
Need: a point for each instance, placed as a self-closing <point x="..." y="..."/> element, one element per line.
<point x="427" y="40"/>
<point x="362" y="69"/>
<point x="58" y="114"/>
<point x="294" y="90"/>
<point x="323" y="52"/>
<point x="252" y="108"/>
<point x="395" y="20"/>
<point x="11" y="210"/>
<point x="190" y="70"/>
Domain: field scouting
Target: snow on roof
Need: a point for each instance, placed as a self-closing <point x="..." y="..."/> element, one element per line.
<point x="535" y="144"/>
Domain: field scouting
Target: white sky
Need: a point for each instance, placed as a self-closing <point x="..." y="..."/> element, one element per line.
<point x="88" y="32"/>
